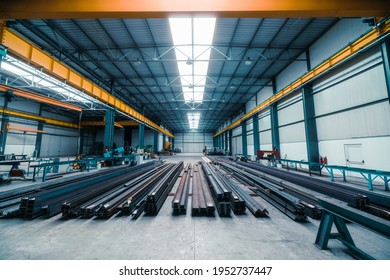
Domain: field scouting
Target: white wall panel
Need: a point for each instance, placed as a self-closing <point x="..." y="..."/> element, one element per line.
<point x="251" y="150"/>
<point x="290" y="114"/>
<point x="250" y="104"/>
<point x="160" y="142"/>
<point x="291" y="73"/>
<point x="344" y="32"/>
<point x="292" y="133"/>
<point x="368" y="121"/>
<point x="294" y="151"/>
<point x="376" y="152"/>
<point x="193" y="142"/>
<point x="264" y="122"/>
<point x="237" y="131"/>
<point x="366" y="87"/>
<point x="249" y="139"/>
<point x="266" y="147"/>
<point x="249" y="125"/>
<point x="264" y="94"/>
<point x="265" y="137"/>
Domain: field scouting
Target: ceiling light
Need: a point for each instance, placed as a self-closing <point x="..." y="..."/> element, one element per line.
<point x="232" y="87"/>
<point x="248" y="61"/>
<point x="137" y="62"/>
<point x="189" y="62"/>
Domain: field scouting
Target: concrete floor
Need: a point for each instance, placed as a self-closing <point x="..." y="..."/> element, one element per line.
<point x="176" y="237"/>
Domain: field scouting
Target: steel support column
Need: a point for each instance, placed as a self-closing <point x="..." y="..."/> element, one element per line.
<point x="244" y="139"/>
<point x="109" y="130"/>
<point x="274" y="120"/>
<point x="141" y="135"/>
<point x="385" y="47"/>
<point x="226" y="141"/>
<point x="256" y="138"/>
<point x="38" y="140"/>
<point x="230" y="142"/>
<point x="164" y="140"/>
<point x="155" y="141"/>
<point x="215" y="141"/>
<point x="310" y="126"/>
<point x="4" y="122"/>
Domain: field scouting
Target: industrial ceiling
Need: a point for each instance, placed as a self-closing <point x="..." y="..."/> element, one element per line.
<point x="134" y="59"/>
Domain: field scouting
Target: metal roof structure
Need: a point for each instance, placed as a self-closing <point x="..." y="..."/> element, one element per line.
<point x="134" y="60"/>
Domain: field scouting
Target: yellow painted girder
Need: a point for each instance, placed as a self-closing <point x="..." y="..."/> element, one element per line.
<point x="24" y="129"/>
<point x="25" y="50"/>
<point x="99" y="123"/>
<point x="39" y="118"/>
<point x="342" y="55"/>
<point x="27" y="9"/>
<point x="40" y="98"/>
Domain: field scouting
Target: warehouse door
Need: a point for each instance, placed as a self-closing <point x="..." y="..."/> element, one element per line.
<point x="354" y="155"/>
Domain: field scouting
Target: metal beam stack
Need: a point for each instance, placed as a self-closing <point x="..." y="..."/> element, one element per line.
<point x="220" y="193"/>
<point x="179" y="202"/>
<point x="202" y="202"/>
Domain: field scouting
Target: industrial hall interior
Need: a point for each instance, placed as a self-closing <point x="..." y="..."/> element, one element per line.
<point x="199" y="130"/>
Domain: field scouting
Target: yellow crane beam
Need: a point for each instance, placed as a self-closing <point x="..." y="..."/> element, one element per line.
<point x="27" y="9"/>
<point x="26" y="51"/>
<point x="99" y="123"/>
<point x="39" y="118"/>
<point x="40" y="98"/>
<point x="336" y="59"/>
<point x="21" y="128"/>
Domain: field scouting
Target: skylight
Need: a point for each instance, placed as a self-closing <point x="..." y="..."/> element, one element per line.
<point x="193" y="120"/>
<point x="36" y="78"/>
<point x="192" y="38"/>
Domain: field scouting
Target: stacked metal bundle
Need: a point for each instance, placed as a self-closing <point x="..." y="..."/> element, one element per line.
<point x="202" y="202"/>
<point x="179" y="202"/>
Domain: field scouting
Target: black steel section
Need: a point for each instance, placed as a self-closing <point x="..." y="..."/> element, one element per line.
<point x="157" y="196"/>
<point x="202" y="202"/>
<point x="179" y="202"/>
<point x="284" y="202"/>
<point x="220" y="193"/>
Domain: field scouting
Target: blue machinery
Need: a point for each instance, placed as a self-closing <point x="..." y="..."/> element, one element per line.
<point x="337" y="212"/>
<point x="369" y="175"/>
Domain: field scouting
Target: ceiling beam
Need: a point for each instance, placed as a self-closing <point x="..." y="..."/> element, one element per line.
<point x="28" y="9"/>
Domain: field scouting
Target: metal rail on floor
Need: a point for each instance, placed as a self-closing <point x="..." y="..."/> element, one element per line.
<point x="368" y="174"/>
<point x="337" y="212"/>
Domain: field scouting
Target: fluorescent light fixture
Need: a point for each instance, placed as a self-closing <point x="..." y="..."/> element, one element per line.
<point x="248" y="61"/>
<point x="36" y="78"/>
<point x="193" y="120"/>
<point x="187" y="33"/>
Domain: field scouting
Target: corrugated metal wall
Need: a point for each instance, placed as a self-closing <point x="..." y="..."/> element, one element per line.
<point x="292" y="128"/>
<point x="193" y="142"/>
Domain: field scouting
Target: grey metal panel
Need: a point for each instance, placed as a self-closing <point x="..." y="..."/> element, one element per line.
<point x="291" y="113"/>
<point x="369" y="121"/>
<point x="367" y="86"/>
<point x="58" y="117"/>
<point x="237" y="145"/>
<point x="345" y="31"/>
<point x="25" y="106"/>
<point x="119" y="138"/>
<point x="60" y="131"/>
<point x="292" y="133"/>
<point x="54" y="146"/>
<point x="265" y="137"/>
